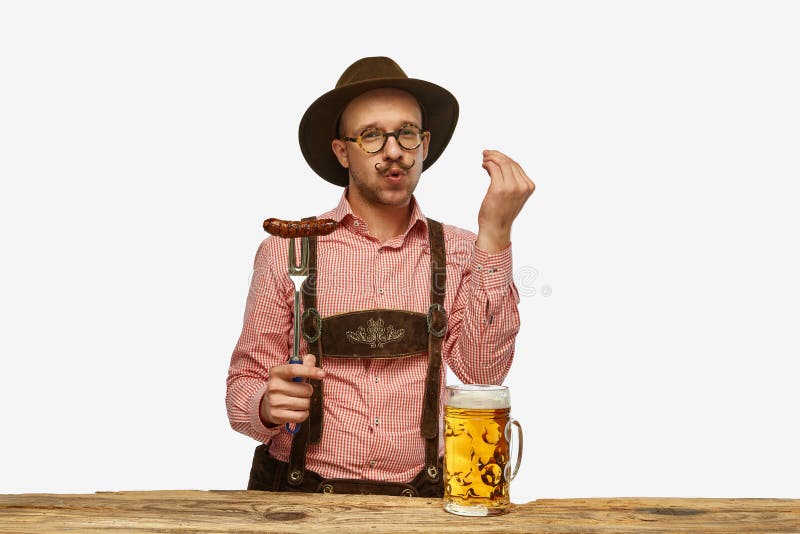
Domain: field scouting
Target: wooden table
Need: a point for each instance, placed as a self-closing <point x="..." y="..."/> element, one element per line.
<point x="251" y="511"/>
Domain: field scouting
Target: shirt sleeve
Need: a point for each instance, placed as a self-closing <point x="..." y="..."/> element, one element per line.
<point x="484" y="319"/>
<point x="263" y="343"/>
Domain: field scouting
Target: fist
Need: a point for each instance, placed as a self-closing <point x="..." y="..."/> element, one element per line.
<point x="287" y="401"/>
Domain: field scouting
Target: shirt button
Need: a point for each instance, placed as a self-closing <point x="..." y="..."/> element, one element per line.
<point x="372" y="463"/>
<point x="380" y="291"/>
<point x="376" y="379"/>
<point x="377" y="421"/>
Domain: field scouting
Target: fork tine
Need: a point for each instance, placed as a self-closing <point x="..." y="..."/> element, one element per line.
<point x="304" y="254"/>
<point x="302" y="267"/>
<point x="292" y="256"/>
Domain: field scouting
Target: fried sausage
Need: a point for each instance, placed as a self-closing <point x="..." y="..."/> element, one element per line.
<point x="307" y="228"/>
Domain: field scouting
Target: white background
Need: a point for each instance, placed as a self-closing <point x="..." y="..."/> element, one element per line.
<point x="143" y="143"/>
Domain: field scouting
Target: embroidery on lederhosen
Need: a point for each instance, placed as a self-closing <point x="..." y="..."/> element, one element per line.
<point x="376" y="335"/>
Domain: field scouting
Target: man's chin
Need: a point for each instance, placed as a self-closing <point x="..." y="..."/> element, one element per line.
<point x="396" y="199"/>
<point x="396" y="195"/>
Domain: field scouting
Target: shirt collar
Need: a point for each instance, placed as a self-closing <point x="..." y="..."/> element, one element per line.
<point x="343" y="213"/>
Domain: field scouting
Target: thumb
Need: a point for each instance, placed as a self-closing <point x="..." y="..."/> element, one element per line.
<point x="309" y="360"/>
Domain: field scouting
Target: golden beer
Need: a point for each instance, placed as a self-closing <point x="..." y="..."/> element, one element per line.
<point x="476" y="450"/>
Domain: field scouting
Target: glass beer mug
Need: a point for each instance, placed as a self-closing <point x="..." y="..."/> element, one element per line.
<point x="477" y="465"/>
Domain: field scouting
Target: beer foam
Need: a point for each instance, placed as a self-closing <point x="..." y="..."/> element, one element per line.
<point x="477" y="396"/>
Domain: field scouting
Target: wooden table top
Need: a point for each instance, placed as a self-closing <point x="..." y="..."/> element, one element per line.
<point x="252" y="511"/>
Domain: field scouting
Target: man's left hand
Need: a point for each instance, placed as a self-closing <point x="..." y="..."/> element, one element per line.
<point x="508" y="191"/>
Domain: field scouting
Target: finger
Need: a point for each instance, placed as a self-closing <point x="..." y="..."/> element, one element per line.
<point x="277" y="386"/>
<point x="309" y="360"/>
<point x="523" y="183"/>
<point x="286" y="402"/>
<point x="289" y="416"/>
<point x="511" y="169"/>
<point x="498" y="157"/>
<point x="292" y="388"/>
<point x="524" y="180"/>
<point x="289" y="371"/>
<point x="495" y="172"/>
<point x="503" y="162"/>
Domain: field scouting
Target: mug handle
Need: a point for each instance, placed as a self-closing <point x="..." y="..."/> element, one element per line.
<point x="509" y="474"/>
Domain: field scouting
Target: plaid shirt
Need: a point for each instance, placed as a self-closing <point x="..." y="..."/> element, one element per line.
<point x="372" y="408"/>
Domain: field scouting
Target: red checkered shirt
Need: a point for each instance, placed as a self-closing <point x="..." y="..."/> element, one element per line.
<point x="372" y="408"/>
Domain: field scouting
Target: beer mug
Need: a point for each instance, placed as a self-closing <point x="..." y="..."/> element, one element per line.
<point x="477" y="466"/>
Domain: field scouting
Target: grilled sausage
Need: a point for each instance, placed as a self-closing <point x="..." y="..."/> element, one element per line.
<point x="311" y="227"/>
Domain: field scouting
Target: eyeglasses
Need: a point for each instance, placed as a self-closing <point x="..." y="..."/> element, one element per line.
<point x="373" y="140"/>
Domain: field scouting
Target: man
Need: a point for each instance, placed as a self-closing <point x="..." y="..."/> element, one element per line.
<point x="392" y="294"/>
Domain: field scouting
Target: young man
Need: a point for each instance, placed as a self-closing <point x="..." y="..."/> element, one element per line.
<point x="391" y="295"/>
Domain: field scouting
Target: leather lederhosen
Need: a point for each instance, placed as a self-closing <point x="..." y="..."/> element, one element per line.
<point x="376" y="333"/>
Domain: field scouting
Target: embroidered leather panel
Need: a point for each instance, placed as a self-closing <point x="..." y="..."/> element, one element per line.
<point x="375" y="333"/>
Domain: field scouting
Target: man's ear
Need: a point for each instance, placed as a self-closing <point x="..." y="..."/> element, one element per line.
<point x="425" y="142"/>
<point x="340" y="151"/>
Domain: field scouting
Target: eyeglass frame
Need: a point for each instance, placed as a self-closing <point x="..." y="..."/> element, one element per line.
<point x="386" y="136"/>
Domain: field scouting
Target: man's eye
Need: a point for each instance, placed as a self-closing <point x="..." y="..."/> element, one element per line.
<point x="374" y="134"/>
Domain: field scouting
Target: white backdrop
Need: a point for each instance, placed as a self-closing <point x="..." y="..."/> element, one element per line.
<point x="142" y="144"/>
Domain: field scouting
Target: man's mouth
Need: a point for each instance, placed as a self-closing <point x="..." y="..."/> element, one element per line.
<point x="395" y="173"/>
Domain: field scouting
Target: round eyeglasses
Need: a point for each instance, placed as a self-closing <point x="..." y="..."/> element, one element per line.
<point x="373" y="140"/>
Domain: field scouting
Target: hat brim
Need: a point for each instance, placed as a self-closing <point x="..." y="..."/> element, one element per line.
<point x="318" y="125"/>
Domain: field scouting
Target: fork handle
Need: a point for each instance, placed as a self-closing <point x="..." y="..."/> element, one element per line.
<point x="294" y="428"/>
<point x="296" y="345"/>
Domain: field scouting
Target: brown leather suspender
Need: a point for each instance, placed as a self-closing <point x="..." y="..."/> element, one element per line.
<point x="437" y="327"/>
<point x="340" y="336"/>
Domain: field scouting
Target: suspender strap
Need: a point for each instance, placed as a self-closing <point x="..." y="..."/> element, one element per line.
<point x="437" y="327"/>
<point x="312" y="329"/>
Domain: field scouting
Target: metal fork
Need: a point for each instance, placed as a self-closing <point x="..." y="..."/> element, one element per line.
<point x="298" y="274"/>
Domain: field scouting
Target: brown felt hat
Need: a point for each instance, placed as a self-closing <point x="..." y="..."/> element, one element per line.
<point x="318" y="125"/>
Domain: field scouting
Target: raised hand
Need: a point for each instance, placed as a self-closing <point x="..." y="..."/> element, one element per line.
<point x="508" y="191"/>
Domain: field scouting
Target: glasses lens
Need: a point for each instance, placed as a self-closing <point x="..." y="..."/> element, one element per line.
<point x="409" y="137"/>
<point x="372" y="140"/>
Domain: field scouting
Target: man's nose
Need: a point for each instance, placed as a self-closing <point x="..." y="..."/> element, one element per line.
<point x="392" y="149"/>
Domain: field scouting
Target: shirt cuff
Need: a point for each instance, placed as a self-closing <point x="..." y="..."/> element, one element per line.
<point x="492" y="270"/>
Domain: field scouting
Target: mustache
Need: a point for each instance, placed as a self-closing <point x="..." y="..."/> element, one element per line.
<point x="386" y="168"/>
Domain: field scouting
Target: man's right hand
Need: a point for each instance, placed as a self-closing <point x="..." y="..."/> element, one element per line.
<point x="286" y="401"/>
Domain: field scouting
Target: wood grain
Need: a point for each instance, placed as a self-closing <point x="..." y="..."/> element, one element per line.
<point x="252" y="511"/>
